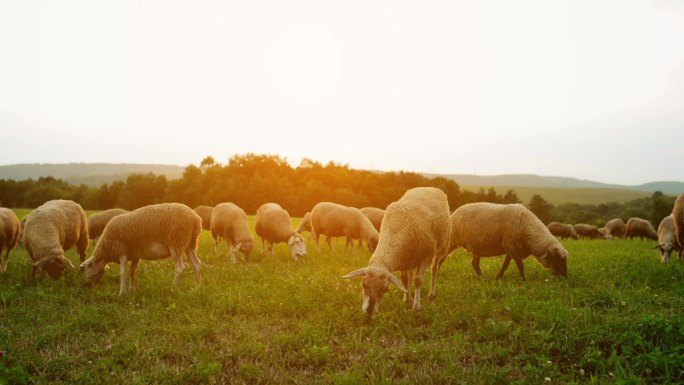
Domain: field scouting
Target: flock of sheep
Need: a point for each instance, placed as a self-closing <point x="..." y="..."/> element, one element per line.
<point x="416" y="232"/>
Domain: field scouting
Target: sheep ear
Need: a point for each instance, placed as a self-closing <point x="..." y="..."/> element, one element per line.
<point x="656" y="246"/>
<point x="396" y="282"/>
<point x="356" y="273"/>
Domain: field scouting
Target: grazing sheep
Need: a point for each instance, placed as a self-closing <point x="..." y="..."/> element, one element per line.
<point x="562" y="230"/>
<point x="273" y="225"/>
<point x="9" y="235"/>
<point x="584" y="230"/>
<point x="489" y="229"/>
<point x="637" y="227"/>
<point x="667" y="240"/>
<point x="50" y="230"/>
<point x="152" y="232"/>
<point x="678" y="215"/>
<point x="205" y="213"/>
<point x="304" y="224"/>
<point x="414" y="234"/>
<point x="375" y="215"/>
<point x="97" y="222"/>
<point x="229" y="222"/>
<point x="614" y="228"/>
<point x="334" y="220"/>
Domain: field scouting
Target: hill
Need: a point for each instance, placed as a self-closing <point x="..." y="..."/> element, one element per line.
<point x="558" y="196"/>
<point x="91" y="174"/>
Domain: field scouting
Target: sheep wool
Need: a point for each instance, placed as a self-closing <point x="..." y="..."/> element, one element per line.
<point x="335" y="220"/>
<point x="614" y="228"/>
<point x="667" y="240"/>
<point x="638" y="227"/>
<point x="375" y="215"/>
<point x="205" y="213"/>
<point x="9" y="235"/>
<point x="151" y="232"/>
<point x="274" y="225"/>
<point x="678" y="216"/>
<point x="305" y="223"/>
<point x="229" y="223"/>
<point x="414" y="234"/>
<point x="586" y="231"/>
<point x="489" y="229"/>
<point x="562" y="230"/>
<point x="50" y="230"/>
<point x="97" y="222"/>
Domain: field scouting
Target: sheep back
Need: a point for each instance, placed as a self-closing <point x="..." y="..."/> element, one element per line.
<point x="584" y="230"/>
<point x="9" y="234"/>
<point x="642" y="228"/>
<point x="205" y="213"/>
<point x="273" y="223"/>
<point x="615" y="228"/>
<point x="375" y="215"/>
<point x="229" y="221"/>
<point x="334" y="220"/>
<point x="97" y="222"/>
<point x="678" y="217"/>
<point x="562" y="230"/>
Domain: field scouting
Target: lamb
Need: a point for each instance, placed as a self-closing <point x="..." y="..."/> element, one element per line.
<point x="614" y="228"/>
<point x="205" y="213"/>
<point x="152" y="232"/>
<point x="334" y="220"/>
<point x="562" y="230"/>
<point x="273" y="225"/>
<point x="375" y="215"/>
<point x="50" y="230"/>
<point x="584" y="230"/>
<point x="667" y="240"/>
<point x="414" y="234"/>
<point x="9" y="235"/>
<point x="637" y="227"/>
<point x="489" y="229"/>
<point x="97" y="222"/>
<point x="229" y="222"/>
<point x="678" y="215"/>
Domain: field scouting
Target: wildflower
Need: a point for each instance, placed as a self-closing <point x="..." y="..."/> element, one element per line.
<point x="581" y="372"/>
<point x="610" y="374"/>
<point x="624" y="303"/>
<point x="549" y="363"/>
<point x="547" y="379"/>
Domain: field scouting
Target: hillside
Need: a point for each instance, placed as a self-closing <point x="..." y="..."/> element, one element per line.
<point x="558" y="196"/>
<point x="91" y="174"/>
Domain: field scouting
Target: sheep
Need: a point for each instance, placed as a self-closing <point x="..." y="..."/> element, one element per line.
<point x="637" y="227"/>
<point x="375" y="215"/>
<point x="584" y="230"/>
<point x="414" y="234"/>
<point x="229" y="222"/>
<point x="562" y="230"/>
<point x="614" y="228"/>
<point x="678" y="215"/>
<point x="151" y="232"/>
<point x="9" y="235"/>
<point x="489" y="229"/>
<point x="667" y="240"/>
<point x="50" y="230"/>
<point x="205" y="213"/>
<point x="334" y="220"/>
<point x="304" y="224"/>
<point x="273" y="225"/>
<point x="97" y="222"/>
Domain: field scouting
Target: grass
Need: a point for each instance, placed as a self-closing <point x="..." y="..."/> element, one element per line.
<point x="584" y="196"/>
<point x="616" y="319"/>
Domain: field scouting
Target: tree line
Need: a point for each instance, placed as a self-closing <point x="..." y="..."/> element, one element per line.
<point x="249" y="180"/>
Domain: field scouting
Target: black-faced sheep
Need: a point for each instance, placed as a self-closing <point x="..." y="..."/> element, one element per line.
<point x="642" y="228"/>
<point x="274" y="225"/>
<point x="97" y="222"/>
<point x="585" y="231"/>
<point x="614" y="228"/>
<point x="489" y="229"/>
<point x="9" y="235"/>
<point x="205" y="213"/>
<point x="50" y="230"/>
<point x="152" y="232"/>
<point x="562" y="230"/>
<point x="334" y="220"/>
<point x="667" y="240"/>
<point x="414" y="234"/>
<point x="678" y="215"/>
<point x="229" y="223"/>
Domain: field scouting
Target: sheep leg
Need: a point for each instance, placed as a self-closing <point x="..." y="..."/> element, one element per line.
<point x="521" y="267"/>
<point x="270" y="248"/>
<point x="507" y="262"/>
<point x="406" y="277"/>
<point x="216" y="242"/>
<point x="418" y="284"/>
<point x="122" y="273"/>
<point x="134" y="266"/>
<point x="328" y="241"/>
<point x="3" y="260"/>
<point x="433" y="277"/>
<point x="196" y="264"/>
<point x="476" y="265"/>
<point x="179" y="266"/>
<point x="82" y="247"/>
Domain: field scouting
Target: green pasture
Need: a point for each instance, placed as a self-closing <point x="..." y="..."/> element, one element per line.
<point x="617" y="318"/>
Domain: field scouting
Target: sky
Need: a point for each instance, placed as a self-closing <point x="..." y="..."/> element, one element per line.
<point x="592" y="89"/>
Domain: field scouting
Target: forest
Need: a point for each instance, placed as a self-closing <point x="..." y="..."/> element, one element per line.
<point x="249" y="180"/>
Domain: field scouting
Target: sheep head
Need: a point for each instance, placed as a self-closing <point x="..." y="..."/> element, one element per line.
<point x="245" y="248"/>
<point x="53" y="265"/>
<point x="665" y="251"/>
<point x="375" y="284"/>
<point x="556" y="259"/>
<point x="297" y="246"/>
<point x="93" y="270"/>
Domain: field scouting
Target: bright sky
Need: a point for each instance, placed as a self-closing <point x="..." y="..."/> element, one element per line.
<point x="592" y="89"/>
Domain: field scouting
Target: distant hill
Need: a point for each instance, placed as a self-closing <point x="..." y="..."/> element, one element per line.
<point x="91" y="174"/>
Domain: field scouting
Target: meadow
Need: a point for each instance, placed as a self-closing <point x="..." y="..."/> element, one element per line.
<point x="617" y="318"/>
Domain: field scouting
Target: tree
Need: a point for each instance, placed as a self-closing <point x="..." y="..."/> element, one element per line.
<point x="541" y="208"/>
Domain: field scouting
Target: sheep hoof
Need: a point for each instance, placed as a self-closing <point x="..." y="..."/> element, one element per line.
<point x="416" y="307"/>
<point x="431" y="297"/>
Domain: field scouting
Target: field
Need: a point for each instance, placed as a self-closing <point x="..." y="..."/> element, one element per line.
<point x="617" y="318"/>
<point x="584" y="196"/>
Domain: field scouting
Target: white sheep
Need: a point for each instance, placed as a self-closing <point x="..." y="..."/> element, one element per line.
<point x="304" y="224"/>
<point x="151" y="232"/>
<point x="678" y="215"/>
<point x="335" y="220"/>
<point x="562" y="230"/>
<point x="97" y="222"/>
<point x="50" y="230"/>
<point x="9" y="235"/>
<point x="614" y="228"/>
<point x="584" y="230"/>
<point x="375" y="215"/>
<point x="205" y="213"/>
<point x="642" y="228"/>
<point x="489" y="229"/>
<point x="229" y="223"/>
<point x="414" y="234"/>
<point x="667" y="240"/>
<point x="274" y="225"/>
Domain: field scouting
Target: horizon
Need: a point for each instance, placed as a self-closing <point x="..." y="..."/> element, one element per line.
<point x="585" y="90"/>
